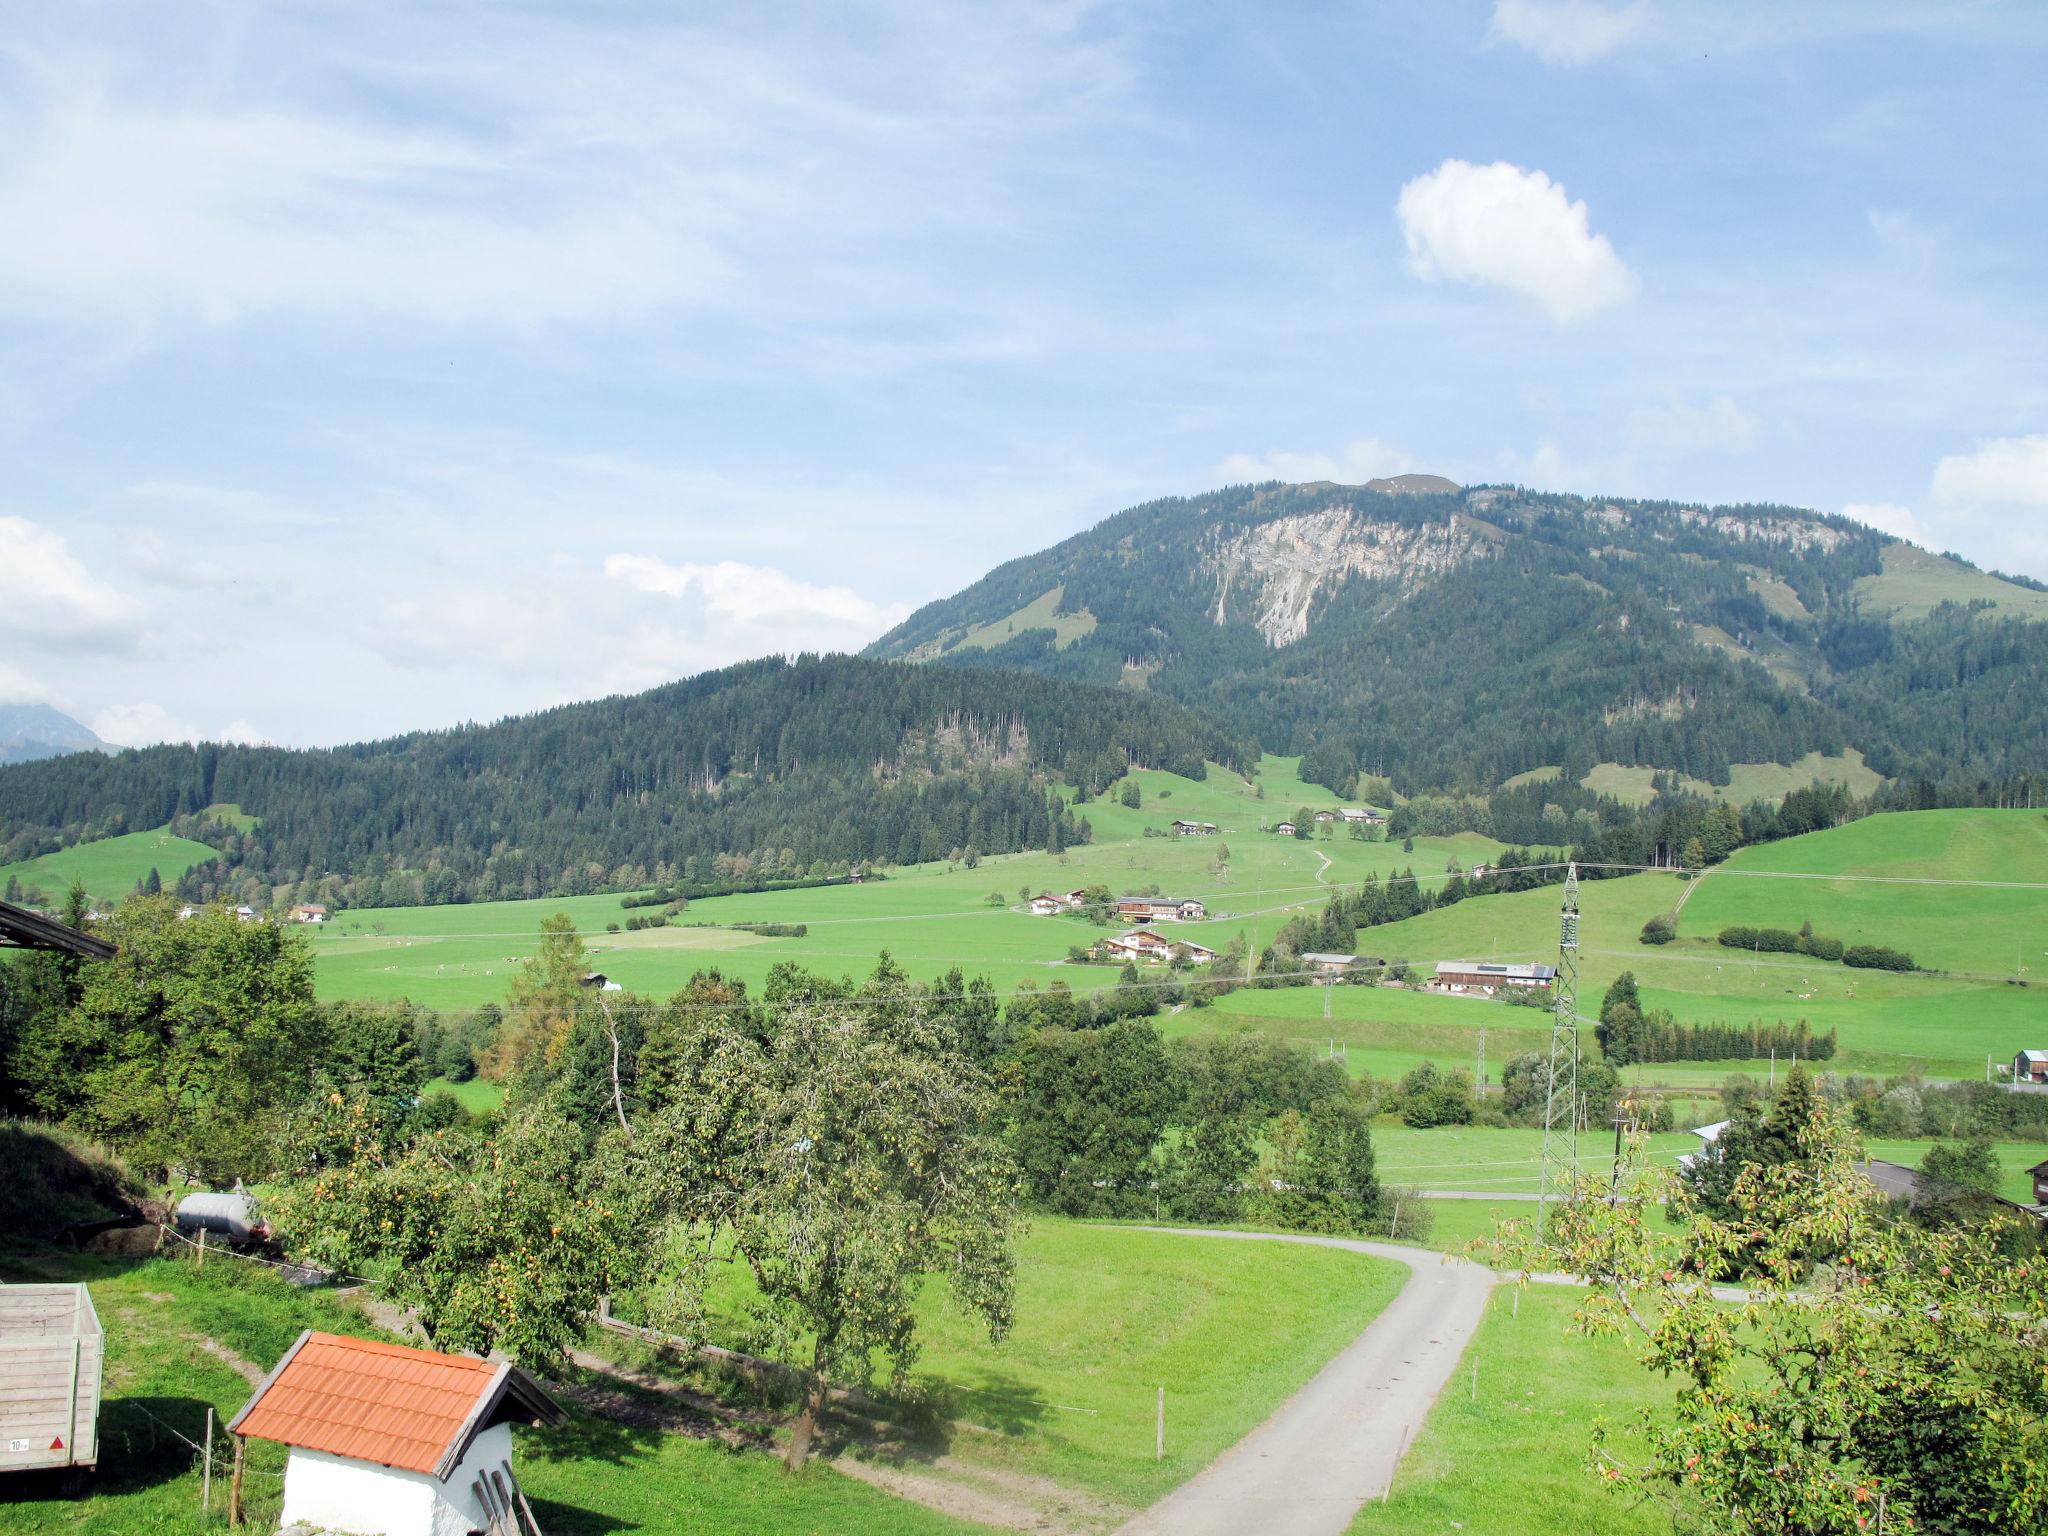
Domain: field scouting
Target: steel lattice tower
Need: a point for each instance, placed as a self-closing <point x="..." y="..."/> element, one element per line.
<point x="1561" y="1107"/>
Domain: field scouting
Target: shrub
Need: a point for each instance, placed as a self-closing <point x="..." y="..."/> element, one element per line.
<point x="1659" y="930"/>
<point x="1875" y="957"/>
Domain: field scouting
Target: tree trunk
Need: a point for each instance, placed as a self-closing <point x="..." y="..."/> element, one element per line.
<point x="806" y="1423"/>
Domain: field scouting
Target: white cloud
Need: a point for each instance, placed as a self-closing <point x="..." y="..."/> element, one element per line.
<point x="2001" y="471"/>
<point x="574" y="632"/>
<point x="752" y="594"/>
<point x="1501" y="226"/>
<point x="47" y="593"/>
<point x="140" y="725"/>
<point x="240" y="733"/>
<point x="1566" y="31"/>
<point x="1365" y="458"/>
<point x="1888" y="517"/>
<point x="17" y="687"/>
<point x="1678" y="426"/>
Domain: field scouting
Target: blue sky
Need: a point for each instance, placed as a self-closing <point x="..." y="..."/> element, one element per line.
<point x="372" y="366"/>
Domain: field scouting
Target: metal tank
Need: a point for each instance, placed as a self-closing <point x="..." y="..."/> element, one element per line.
<point x="231" y="1214"/>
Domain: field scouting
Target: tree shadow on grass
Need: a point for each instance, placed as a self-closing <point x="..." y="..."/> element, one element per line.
<point x="591" y="1437"/>
<point x="923" y="1426"/>
<point x="559" y="1519"/>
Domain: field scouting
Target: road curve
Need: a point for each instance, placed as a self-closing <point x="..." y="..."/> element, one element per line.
<point x="1334" y="1444"/>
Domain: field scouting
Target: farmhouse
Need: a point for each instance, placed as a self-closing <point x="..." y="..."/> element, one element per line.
<point x="1160" y="909"/>
<point x="1287" y="829"/>
<point x="1155" y="949"/>
<point x="597" y="981"/>
<point x="1488" y="977"/>
<point x="1481" y="871"/>
<point x="1077" y="898"/>
<point x="2039" y="1174"/>
<point x="245" y="913"/>
<point x="1139" y="944"/>
<point x="2030" y="1067"/>
<point x="311" y="912"/>
<point x="1325" y="816"/>
<point x="1194" y="829"/>
<point x="391" y="1441"/>
<point x="1045" y="904"/>
<point x="1363" y="816"/>
<point x="1328" y="964"/>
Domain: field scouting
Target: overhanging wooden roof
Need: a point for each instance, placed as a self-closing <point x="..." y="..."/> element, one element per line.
<point x="23" y="929"/>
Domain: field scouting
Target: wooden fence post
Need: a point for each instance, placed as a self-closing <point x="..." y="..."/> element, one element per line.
<point x="202" y="1250"/>
<point x="206" y="1476"/>
<point x="235" y="1482"/>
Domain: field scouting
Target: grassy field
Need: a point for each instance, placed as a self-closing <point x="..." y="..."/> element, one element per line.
<point x="1913" y="582"/>
<point x="111" y="866"/>
<point x="179" y="1340"/>
<point x="1107" y="1315"/>
<point x="475" y="1095"/>
<point x="1746" y="781"/>
<point x="929" y="917"/>
<point x="1040" y="613"/>
<point x="1510" y="1456"/>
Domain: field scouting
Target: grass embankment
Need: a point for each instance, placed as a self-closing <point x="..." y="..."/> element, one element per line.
<point x="111" y="867"/>
<point x="1511" y="1457"/>
<point x="929" y="917"/>
<point x="1108" y="1315"/>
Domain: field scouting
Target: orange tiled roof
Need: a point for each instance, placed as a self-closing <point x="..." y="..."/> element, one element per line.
<point x="385" y="1403"/>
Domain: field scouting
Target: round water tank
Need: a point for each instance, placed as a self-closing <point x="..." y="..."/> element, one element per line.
<point x="231" y="1214"/>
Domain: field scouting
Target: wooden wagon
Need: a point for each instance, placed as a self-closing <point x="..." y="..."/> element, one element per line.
<point x="50" y="1358"/>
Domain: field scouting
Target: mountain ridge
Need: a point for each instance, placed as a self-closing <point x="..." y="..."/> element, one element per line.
<point x="31" y="732"/>
<point x="1673" y="634"/>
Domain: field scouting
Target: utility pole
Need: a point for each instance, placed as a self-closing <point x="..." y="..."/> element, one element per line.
<point x="1561" y="1103"/>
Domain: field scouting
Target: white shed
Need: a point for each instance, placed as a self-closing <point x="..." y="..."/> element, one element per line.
<point x="392" y="1441"/>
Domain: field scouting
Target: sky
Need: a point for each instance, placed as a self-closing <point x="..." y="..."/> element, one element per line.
<point x="369" y="367"/>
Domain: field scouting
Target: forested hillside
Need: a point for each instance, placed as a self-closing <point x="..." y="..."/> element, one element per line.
<point x="767" y="770"/>
<point x="1453" y="639"/>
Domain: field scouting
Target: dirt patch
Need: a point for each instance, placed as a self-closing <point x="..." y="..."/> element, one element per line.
<point x="248" y="1370"/>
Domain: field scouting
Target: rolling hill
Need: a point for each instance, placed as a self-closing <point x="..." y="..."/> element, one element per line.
<point x="771" y="770"/>
<point x="1453" y="639"/>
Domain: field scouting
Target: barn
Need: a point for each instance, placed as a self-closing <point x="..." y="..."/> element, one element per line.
<point x="392" y="1441"/>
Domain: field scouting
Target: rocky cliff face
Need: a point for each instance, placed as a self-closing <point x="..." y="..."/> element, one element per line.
<point x="1272" y="573"/>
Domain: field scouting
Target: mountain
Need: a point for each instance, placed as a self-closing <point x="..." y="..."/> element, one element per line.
<point x="1454" y="638"/>
<point x="32" y="731"/>
<point x="768" y="770"/>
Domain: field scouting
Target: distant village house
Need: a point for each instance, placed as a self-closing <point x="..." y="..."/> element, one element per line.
<point x="1485" y="977"/>
<point x="1155" y="949"/>
<point x="2030" y="1067"/>
<point x="1286" y="829"/>
<point x="1160" y="909"/>
<point x="1194" y="829"/>
<point x="392" y="1441"/>
<point x="1045" y="904"/>
<point x="310" y="912"/>
<point x="1363" y="816"/>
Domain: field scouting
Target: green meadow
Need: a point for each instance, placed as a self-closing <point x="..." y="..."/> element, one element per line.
<point x="1108" y="1315"/>
<point x="1506" y="1451"/>
<point x="111" y="867"/>
<point x="930" y="917"/>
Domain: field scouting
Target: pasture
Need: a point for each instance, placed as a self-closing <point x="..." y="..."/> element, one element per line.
<point x="111" y="867"/>
<point x="1510" y="1454"/>
<point x="930" y="917"/>
<point x="1107" y="1315"/>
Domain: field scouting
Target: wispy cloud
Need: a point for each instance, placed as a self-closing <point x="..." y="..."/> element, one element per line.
<point x="1567" y="31"/>
<point x="1365" y="458"/>
<point x="2002" y="471"/>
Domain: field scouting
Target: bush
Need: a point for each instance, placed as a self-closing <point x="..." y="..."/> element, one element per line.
<point x="1405" y="1214"/>
<point x="1659" y="930"/>
<point x="1875" y="957"/>
<point x="1773" y="941"/>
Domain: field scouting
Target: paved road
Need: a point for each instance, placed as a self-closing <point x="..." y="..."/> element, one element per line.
<point x="1334" y="1444"/>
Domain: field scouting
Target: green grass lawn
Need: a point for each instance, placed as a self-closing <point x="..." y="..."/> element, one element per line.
<point x="929" y="917"/>
<point x="591" y="1476"/>
<point x="475" y="1095"/>
<point x="1107" y="1315"/>
<point x="111" y="866"/>
<point x="1510" y="1458"/>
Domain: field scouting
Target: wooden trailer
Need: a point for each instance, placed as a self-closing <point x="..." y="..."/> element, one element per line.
<point x="50" y="1357"/>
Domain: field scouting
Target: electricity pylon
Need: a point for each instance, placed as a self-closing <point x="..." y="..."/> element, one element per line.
<point x="1561" y="1105"/>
